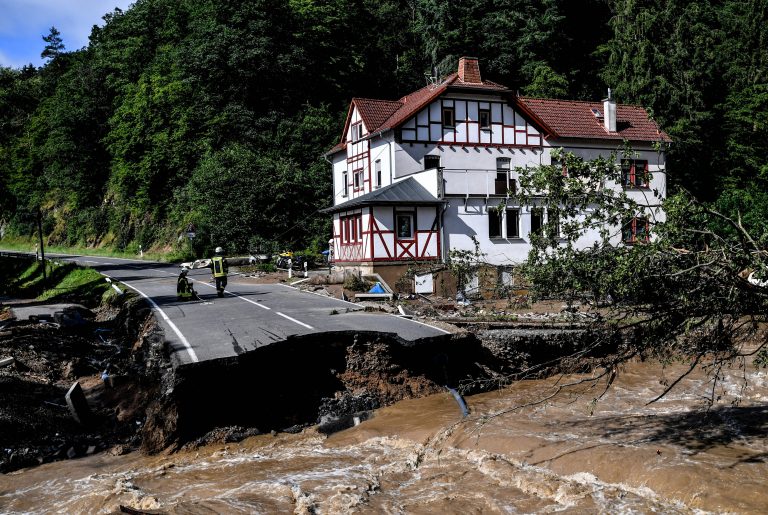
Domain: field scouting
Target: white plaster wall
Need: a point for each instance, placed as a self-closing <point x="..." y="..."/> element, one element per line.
<point x="384" y="220"/>
<point x="461" y="221"/>
<point x="650" y="197"/>
<point x="339" y="166"/>
<point x="381" y="148"/>
<point x="409" y="157"/>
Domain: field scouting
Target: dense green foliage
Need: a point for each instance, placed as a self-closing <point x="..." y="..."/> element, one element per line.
<point x="694" y="291"/>
<point x="217" y="113"/>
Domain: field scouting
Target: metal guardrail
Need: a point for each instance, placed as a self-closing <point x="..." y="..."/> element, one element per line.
<point x="16" y="254"/>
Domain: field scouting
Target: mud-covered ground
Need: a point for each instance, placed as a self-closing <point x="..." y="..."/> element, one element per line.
<point x="35" y="422"/>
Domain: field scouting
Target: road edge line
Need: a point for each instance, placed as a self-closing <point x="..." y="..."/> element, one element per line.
<point x="184" y="341"/>
<point x="420" y="323"/>
<point x="294" y="320"/>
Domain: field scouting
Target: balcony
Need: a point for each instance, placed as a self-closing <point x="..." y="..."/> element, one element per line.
<point x="478" y="183"/>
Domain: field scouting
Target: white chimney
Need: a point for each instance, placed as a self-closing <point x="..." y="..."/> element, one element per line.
<point x="609" y="113"/>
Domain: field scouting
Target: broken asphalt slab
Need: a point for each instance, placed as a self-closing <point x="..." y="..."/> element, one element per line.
<point x="63" y="314"/>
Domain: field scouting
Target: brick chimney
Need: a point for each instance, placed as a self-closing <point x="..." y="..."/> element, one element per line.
<point x="469" y="70"/>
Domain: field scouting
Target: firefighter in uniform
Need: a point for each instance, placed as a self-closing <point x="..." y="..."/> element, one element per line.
<point x="220" y="269"/>
<point x="184" y="290"/>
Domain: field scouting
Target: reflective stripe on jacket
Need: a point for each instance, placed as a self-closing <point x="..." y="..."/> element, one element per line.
<point x="219" y="269"/>
<point x="183" y="288"/>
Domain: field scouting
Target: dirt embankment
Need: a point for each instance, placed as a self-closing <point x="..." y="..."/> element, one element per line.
<point x="35" y="421"/>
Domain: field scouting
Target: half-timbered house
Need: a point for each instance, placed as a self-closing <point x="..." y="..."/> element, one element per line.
<point x="417" y="177"/>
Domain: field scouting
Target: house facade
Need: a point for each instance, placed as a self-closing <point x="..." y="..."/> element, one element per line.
<point x="421" y="176"/>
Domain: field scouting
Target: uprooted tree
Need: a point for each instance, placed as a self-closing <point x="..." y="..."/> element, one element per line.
<point x="691" y="287"/>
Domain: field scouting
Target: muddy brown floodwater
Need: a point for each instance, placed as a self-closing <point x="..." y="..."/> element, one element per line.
<point x="568" y="455"/>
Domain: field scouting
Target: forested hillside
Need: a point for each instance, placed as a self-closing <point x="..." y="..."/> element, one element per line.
<point x="217" y="113"/>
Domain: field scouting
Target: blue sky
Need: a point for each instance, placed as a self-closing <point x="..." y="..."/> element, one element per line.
<point x="23" y="23"/>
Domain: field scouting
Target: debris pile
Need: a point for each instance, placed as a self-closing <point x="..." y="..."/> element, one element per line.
<point x="73" y="381"/>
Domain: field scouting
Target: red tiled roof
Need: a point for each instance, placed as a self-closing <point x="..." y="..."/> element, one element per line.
<point x="575" y="119"/>
<point x="559" y="118"/>
<point x="375" y="112"/>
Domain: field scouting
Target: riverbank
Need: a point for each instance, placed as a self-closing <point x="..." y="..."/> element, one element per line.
<point x="569" y="455"/>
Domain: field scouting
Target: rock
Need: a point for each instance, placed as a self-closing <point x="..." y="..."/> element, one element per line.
<point x="118" y="450"/>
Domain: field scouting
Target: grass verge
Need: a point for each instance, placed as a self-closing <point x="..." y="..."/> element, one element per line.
<point x="29" y="245"/>
<point x="22" y="278"/>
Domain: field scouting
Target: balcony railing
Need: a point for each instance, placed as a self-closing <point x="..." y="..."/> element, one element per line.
<point x="479" y="183"/>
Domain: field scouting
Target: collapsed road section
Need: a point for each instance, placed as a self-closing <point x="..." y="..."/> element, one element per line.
<point x="306" y="380"/>
<point x="122" y="362"/>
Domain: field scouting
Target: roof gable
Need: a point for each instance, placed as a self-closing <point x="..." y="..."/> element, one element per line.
<point x="375" y="112"/>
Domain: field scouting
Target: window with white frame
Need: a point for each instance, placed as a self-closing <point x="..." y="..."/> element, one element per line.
<point x="404" y="226"/>
<point x="377" y="172"/>
<point x="449" y="117"/>
<point x="357" y="131"/>
<point x="344" y="184"/>
<point x="504" y="184"/>
<point x="351" y="228"/>
<point x="357" y="177"/>
<point x="537" y="220"/>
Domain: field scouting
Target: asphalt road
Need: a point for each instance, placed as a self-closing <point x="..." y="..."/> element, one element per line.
<point x="247" y="317"/>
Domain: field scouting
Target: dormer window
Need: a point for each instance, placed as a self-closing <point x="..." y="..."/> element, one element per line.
<point x="449" y="117"/>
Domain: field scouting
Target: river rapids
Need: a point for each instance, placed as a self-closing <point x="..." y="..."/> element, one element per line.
<point x="569" y="454"/>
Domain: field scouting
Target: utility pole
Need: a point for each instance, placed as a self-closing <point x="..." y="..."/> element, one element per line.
<point x="40" y="234"/>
